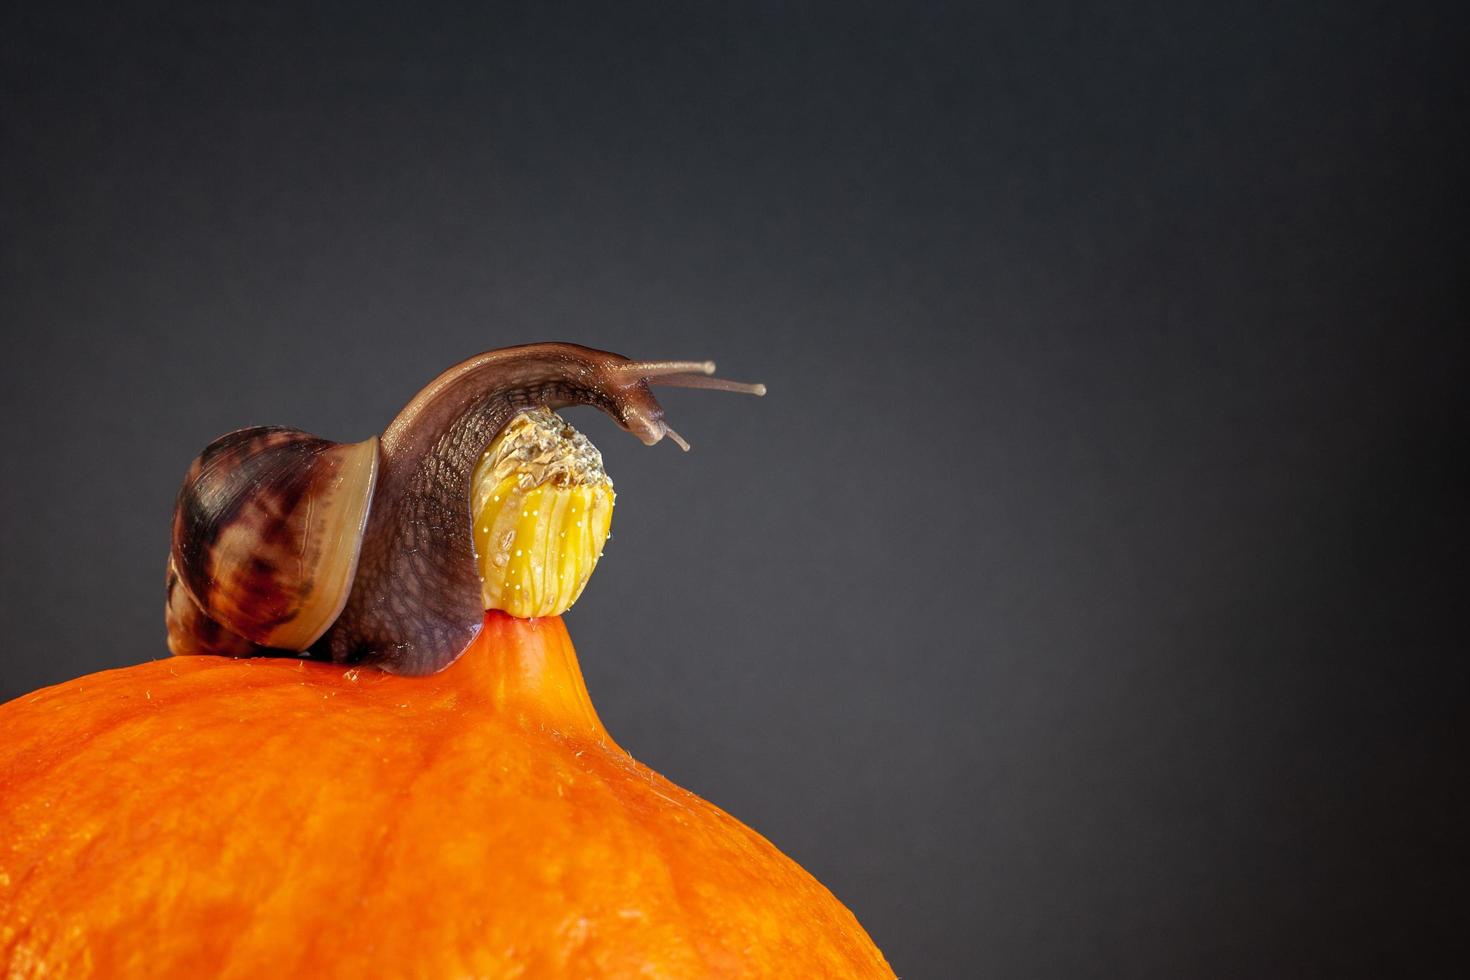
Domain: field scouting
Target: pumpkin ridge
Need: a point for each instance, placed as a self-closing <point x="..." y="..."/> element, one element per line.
<point x="635" y="829"/>
<point x="379" y="856"/>
<point x="667" y="862"/>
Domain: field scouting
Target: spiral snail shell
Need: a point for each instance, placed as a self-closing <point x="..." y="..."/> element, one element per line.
<point x="362" y="553"/>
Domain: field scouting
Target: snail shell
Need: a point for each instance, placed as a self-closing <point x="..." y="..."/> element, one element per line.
<point x="266" y="539"/>
<point x="362" y="553"/>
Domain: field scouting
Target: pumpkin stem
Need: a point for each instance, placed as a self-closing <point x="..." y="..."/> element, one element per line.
<point x="528" y="669"/>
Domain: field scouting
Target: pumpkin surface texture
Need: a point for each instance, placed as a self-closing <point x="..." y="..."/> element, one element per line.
<point x="343" y="813"/>
<point x="202" y="816"/>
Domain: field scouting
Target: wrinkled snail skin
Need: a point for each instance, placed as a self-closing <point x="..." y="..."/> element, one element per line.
<point x="416" y="602"/>
<point x="362" y="553"/>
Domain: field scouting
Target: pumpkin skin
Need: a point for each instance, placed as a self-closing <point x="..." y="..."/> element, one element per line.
<point x="203" y="816"/>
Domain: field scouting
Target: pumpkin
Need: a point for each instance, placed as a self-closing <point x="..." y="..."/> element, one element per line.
<point x="270" y="815"/>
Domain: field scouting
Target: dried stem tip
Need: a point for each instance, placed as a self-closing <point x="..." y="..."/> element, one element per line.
<point x="542" y="507"/>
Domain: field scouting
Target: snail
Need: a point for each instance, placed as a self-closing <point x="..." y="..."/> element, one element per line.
<point x="362" y="553"/>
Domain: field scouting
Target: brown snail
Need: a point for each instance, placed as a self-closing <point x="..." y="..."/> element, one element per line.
<point x="362" y="552"/>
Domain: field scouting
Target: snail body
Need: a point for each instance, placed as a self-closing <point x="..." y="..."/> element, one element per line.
<point x="362" y="553"/>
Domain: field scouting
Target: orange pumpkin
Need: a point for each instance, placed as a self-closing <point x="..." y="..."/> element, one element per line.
<point x="202" y="816"/>
<point x="437" y="810"/>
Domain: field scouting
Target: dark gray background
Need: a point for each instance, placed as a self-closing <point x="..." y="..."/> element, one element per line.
<point x="1084" y="599"/>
